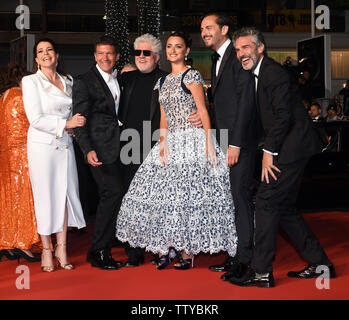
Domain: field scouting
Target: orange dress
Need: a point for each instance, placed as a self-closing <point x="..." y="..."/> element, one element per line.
<point x="17" y="217"/>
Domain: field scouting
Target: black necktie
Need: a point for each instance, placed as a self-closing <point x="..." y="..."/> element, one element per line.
<point x="215" y="57"/>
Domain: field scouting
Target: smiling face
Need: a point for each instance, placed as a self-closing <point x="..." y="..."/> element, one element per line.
<point x="315" y="111"/>
<point x="146" y="64"/>
<point x="106" y="57"/>
<point x="176" y="49"/>
<point x="212" y="34"/>
<point x="247" y="52"/>
<point x="46" y="56"/>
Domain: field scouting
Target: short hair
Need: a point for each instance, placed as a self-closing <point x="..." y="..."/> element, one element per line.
<point x="107" y="41"/>
<point x="316" y="104"/>
<point x="185" y="36"/>
<point x="149" y="38"/>
<point x="257" y="36"/>
<point x="222" y="20"/>
<point x="332" y="106"/>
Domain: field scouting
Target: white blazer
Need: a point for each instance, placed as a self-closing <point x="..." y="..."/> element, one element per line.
<point x="51" y="159"/>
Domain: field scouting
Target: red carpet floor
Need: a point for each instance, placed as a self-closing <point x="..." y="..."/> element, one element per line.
<point x="146" y="283"/>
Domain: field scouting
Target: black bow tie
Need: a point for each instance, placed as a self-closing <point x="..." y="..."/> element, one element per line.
<point x="215" y="57"/>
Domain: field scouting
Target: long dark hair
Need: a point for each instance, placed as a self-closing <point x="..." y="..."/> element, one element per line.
<point x="60" y="66"/>
<point x="12" y="75"/>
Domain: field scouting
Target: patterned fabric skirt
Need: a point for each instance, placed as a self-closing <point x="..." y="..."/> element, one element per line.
<point x="186" y="205"/>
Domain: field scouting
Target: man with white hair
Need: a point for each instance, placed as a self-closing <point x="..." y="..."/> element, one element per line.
<point x="139" y="109"/>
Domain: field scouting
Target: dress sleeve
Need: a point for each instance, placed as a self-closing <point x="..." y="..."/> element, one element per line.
<point x="193" y="76"/>
<point x="34" y="111"/>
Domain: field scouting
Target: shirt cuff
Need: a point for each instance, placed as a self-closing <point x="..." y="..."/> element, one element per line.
<point x="234" y="146"/>
<point x="272" y="153"/>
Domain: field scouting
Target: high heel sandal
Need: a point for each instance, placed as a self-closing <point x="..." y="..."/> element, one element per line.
<point x="185" y="264"/>
<point x="9" y="255"/>
<point x="67" y="266"/>
<point x="21" y="254"/>
<point x="163" y="262"/>
<point x="47" y="268"/>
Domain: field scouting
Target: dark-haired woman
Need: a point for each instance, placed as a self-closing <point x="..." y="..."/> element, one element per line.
<point x="17" y="218"/>
<point x="180" y="196"/>
<point x="47" y="97"/>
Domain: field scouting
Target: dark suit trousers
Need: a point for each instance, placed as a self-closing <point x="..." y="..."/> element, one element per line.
<point x="110" y="189"/>
<point x="276" y="204"/>
<point x="128" y="172"/>
<point x="241" y="176"/>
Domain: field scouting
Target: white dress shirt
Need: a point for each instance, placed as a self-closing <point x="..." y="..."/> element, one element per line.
<point x="113" y="85"/>
<point x="221" y="52"/>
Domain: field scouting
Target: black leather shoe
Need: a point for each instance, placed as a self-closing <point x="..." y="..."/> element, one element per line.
<point x="236" y="271"/>
<point x="226" y="266"/>
<point x="310" y="272"/>
<point x="251" y="279"/>
<point x="133" y="263"/>
<point x="103" y="260"/>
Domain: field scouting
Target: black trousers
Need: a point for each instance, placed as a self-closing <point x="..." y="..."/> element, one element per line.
<point x="241" y="178"/>
<point x="110" y="189"/>
<point x="276" y="205"/>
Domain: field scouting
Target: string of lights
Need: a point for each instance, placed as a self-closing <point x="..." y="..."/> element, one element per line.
<point x="116" y="23"/>
<point x="149" y="17"/>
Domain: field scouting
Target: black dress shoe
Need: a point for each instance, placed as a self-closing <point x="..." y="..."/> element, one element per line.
<point x="226" y="266"/>
<point x="251" y="279"/>
<point x="236" y="271"/>
<point x="310" y="272"/>
<point x="133" y="262"/>
<point x="103" y="260"/>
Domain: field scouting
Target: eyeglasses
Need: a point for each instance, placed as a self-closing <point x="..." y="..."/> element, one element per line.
<point x="146" y="53"/>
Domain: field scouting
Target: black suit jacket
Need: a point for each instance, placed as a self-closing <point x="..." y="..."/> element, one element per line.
<point x="287" y="126"/>
<point x="234" y="103"/>
<point x="127" y="83"/>
<point x="93" y="99"/>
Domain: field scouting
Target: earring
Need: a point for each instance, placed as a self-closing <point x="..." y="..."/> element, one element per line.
<point x="186" y="58"/>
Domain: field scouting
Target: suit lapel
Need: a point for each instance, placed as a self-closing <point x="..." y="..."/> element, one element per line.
<point x="108" y="95"/>
<point x="259" y="86"/>
<point x="225" y="58"/>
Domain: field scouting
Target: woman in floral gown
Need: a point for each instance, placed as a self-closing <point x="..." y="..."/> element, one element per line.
<point x="180" y="196"/>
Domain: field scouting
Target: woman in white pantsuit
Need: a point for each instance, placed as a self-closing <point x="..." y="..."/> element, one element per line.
<point x="47" y="97"/>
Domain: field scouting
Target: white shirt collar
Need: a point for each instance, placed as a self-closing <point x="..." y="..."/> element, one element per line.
<point x="107" y="76"/>
<point x="256" y="70"/>
<point x="222" y="48"/>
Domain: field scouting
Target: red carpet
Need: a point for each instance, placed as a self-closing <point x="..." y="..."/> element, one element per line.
<point x="146" y="283"/>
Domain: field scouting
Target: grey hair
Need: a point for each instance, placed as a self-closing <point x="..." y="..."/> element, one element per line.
<point x="149" y="38"/>
<point x="257" y="36"/>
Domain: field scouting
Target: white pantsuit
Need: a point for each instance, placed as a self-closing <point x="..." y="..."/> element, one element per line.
<point x="51" y="159"/>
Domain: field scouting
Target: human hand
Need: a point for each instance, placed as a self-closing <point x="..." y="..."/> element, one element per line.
<point x="92" y="159"/>
<point x="164" y="153"/>
<point x="211" y="154"/>
<point x="195" y="119"/>
<point x="268" y="167"/>
<point x="77" y="121"/>
<point x="70" y="131"/>
<point x="233" y="154"/>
